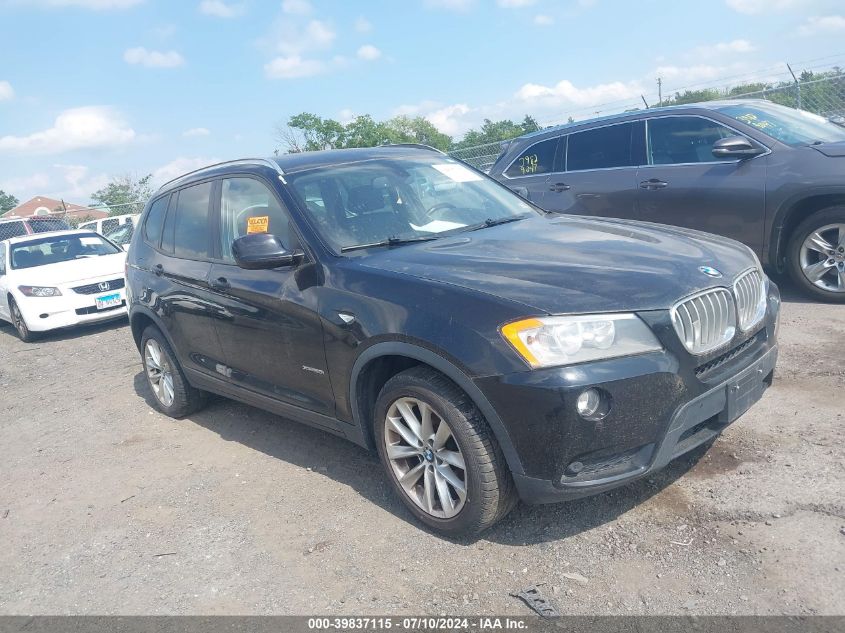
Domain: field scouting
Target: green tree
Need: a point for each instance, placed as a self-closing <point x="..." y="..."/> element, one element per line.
<point x="124" y="194"/>
<point x="492" y="131"/>
<point x="7" y="201"/>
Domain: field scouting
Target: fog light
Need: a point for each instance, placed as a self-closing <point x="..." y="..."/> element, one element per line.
<point x="593" y="404"/>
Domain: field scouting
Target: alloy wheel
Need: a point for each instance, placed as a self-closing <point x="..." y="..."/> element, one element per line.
<point x="159" y="372"/>
<point x="19" y="323"/>
<point x="425" y="457"/>
<point x="822" y="257"/>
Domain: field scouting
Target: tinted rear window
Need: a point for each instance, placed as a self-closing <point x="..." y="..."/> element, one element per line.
<point x="155" y="221"/>
<point x="191" y="230"/>
<point x="603" y="147"/>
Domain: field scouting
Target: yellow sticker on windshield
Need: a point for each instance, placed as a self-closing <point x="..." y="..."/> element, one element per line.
<point x="258" y="224"/>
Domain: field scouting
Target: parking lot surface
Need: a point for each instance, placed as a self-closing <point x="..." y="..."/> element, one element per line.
<point x="108" y="507"/>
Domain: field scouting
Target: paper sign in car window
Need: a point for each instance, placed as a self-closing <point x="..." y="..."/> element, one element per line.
<point x="257" y="224"/>
<point x="456" y="172"/>
<point x="90" y="241"/>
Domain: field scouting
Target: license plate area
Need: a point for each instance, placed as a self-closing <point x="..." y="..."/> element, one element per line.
<point x="741" y="394"/>
<point x="107" y="301"/>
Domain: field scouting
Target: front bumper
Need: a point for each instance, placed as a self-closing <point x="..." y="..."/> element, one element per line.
<point x="50" y="313"/>
<point x="663" y="405"/>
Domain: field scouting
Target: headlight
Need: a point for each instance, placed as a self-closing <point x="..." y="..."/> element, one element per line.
<point x="39" y="291"/>
<point x="565" y="340"/>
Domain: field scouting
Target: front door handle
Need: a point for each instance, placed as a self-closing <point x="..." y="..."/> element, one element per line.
<point x="558" y="187"/>
<point x="653" y="183"/>
<point x="221" y="283"/>
<point x="158" y="269"/>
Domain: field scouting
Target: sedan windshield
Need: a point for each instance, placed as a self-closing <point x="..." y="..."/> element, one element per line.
<point x="60" y="248"/>
<point x="788" y="125"/>
<point x="385" y="202"/>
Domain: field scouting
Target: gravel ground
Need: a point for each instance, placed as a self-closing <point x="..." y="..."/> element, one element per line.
<point x="107" y="507"/>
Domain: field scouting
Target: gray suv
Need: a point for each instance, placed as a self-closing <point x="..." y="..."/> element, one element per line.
<point x="766" y="175"/>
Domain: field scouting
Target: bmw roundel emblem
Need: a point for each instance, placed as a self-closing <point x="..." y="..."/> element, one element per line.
<point x="710" y="271"/>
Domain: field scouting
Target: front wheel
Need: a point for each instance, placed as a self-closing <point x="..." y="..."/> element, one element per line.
<point x="440" y="456"/>
<point x="816" y="255"/>
<point x="24" y="333"/>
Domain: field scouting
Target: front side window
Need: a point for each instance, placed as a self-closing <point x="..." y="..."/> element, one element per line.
<point x="535" y="159"/>
<point x="248" y="206"/>
<point x="684" y="139"/>
<point x="377" y="201"/>
<point x="788" y="125"/>
<point x="600" y="148"/>
<point x="62" y="248"/>
<point x="190" y="231"/>
<point x="154" y="223"/>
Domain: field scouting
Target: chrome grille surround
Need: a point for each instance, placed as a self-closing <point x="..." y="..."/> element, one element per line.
<point x="705" y="321"/>
<point x="750" y="293"/>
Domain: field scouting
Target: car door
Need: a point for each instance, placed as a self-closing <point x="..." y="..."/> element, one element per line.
<point x="4" y="284"/>
<point x="600" y="172"/>
<point x="181" y="266"/>
<point x="269" y="330"/>
<point x="683" y="184"/>
<point x="528" y="173"/>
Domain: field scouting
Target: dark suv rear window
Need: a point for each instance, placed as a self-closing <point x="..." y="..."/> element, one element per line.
<point x="538" y="158"/>
<point x="155" y="221"/>
<point x="191" y="232"/>
<point x="603" y="147"/>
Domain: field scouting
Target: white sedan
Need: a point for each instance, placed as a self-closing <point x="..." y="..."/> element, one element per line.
<point x="60" y="279"/>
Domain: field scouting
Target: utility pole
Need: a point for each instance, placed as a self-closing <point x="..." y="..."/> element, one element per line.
<point x="797" y="85"/>
<point x="660" y="89"/>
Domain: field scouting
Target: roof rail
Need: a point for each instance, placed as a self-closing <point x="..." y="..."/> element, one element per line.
<point x="417" y="145"/>
<point x="240" y="161"/>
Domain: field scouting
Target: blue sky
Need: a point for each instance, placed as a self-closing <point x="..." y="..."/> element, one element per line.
<point x="95" y="88"/>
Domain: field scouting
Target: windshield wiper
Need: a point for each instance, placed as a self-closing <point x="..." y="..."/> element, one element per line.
<point x="491" y="222"/>
<point x="390" y="241"/>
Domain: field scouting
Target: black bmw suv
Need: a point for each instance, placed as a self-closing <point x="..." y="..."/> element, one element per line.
<point x="769" y="176"/>
<point x="487" y="350"/>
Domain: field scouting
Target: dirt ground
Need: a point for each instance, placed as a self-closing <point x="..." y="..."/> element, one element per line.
<point x="107" y="507"/>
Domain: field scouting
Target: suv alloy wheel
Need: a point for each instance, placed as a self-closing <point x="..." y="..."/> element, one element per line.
<point x="816" y="255"/>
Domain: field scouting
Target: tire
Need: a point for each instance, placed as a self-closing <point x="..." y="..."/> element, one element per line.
<point x="802" y="255"/>
<point x="172" y="394"/>
<point x="489" y="492"/>
<point x="24" y="333"/>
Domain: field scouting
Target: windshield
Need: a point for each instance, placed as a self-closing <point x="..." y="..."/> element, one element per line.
<point x="61" y="248"/>
<point x="375" y="201"/>
<point x="790" y="126"/>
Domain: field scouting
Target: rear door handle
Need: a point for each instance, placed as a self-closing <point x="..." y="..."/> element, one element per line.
<point x="653" y="183"/>
<point x="158" y="269"/>
<point x="221" y="283"/>
<point x="559" y="187"/>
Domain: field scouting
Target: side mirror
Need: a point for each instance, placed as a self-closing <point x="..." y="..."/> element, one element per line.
<point x="260" y="251"/>
<point x="736" y="147"/>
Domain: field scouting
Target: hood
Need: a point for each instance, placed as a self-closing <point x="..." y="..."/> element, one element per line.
<point x="569" y="264"/>
<point x="834" y="150"/>
<point x="88" y="268"/>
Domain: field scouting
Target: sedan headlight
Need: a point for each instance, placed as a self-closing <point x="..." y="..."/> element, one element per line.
<point x="39" y="291"/>
<point x="565" y="340"/>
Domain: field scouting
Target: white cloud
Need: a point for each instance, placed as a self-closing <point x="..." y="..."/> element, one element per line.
<point x="179" y="166"/>
<point x="6" y="91"/>
<point x="565" y="94"/>
<point x="346" y="116"/>
<point x="724" y="48"/>
<point x="543" y="20"/>
<point x="450" y="5"/>
<point x="291" y="37"/>
<point x="753" y="7"/>
<point x="515" y="4"/>
<point x="220" y="9"/>
<point x="77" y="128"/>
<point x="77" y="183"/>
<point x="823" y="24"/>
<point x="362" y="25"/>
<point x="296" y="7"/>
<point x="96" y="5"/>
<point x="293" y="67"/>
<point x="196" y="131"/>
<point x="368" y="52"/>
<point x="152" y="59"/>
<point x="21" y="186"/>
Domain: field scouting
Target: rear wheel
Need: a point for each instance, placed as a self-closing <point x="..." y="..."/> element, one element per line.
<point x="172" y="394"/>
<point x="440" y="456"/>
<point x="816" y="255"/>
<point x="19" y="322"/>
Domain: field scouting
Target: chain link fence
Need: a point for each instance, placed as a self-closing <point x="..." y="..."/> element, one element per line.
<point x="824" y="96"/>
